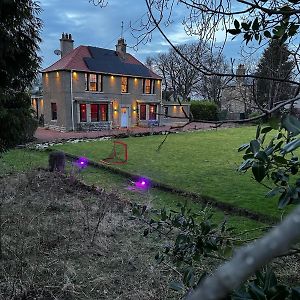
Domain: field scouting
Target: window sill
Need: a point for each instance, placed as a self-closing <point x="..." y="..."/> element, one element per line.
<point x="125" y="93"/>
<point x="148" y="94"/>
<point x="95" y="92"/>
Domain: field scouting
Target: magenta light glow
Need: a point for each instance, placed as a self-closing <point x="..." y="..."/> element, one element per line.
<point x="142" y="183"/>
<point x="82" y="162"/>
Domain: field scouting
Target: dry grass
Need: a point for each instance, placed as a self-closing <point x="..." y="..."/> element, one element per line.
<point x="60" y="241"/>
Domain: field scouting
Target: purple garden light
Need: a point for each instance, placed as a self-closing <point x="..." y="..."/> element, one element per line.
<point x="142" y="183"/>
<point x="82" y="162"/>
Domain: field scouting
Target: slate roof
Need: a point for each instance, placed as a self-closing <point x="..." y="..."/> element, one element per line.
<point x="93" y="59"/>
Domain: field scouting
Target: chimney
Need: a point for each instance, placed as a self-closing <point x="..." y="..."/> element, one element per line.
<point x="241" y="70"/>
<point x="66" y="44"/>
<point x="121" y="47"/>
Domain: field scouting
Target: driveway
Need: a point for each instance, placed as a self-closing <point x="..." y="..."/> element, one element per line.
<point x="46" y="135"/>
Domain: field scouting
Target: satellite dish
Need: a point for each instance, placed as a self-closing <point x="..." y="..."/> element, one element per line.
<point x="57" y="52"/>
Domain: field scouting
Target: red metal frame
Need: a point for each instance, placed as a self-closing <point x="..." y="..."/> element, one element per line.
<point x="113" y="155"/>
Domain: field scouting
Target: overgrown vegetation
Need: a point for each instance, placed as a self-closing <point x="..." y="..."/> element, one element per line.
<point x="61" y="240"/>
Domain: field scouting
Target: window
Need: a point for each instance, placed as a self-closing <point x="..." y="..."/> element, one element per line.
<point x="166" y="111"/>
<point x="142" y="112"/>
<point x="147" y="86"/>
<point x="152" y="112"/>
<point x="103" y="112"/>
<point x="124" y="85"/>
<point x="100" y="83"/>
<point x="53" y="111"/>
<point x="83" y="113"/>
<point x="93" y="82"/>
<point x="94" y="112"/>
<point x="153" y="86"/>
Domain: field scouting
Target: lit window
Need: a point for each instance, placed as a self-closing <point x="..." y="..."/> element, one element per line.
<point x="53" y="111"/>
<point x="124" y="85"/>
<point x="103" y="112"/>
<point x="83" y="113"/>
<point x="142" y="112"/>
<point x="94" y="112"/>
<point x="93" y="82"/>
<point x="152" y="112"/>
<point x="147" y="86"/>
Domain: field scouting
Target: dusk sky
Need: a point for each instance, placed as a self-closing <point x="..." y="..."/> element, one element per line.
<point x="101" y="27"/>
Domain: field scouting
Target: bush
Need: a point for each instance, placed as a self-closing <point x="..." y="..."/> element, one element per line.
<point x="204" y="110"/>
<point x="17" y="124"/>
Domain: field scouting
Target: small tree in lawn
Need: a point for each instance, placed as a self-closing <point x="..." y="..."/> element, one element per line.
<point x="19" y="62"/>
<point x="274" y="63"/>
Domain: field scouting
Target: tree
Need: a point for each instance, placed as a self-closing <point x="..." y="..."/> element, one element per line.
<point x="19" y="62"/>
<point x="274" y="63"/>
<point x="211" y="87"/>
<point x="179" y="77"/>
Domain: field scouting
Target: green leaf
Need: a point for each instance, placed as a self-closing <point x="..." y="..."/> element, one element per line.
<point x="275" y="191"/>
<point x="262" y="156"/>
<point x="246" y="26"/>
<point x="256" y="292"/>
<point x="236" y="24"/>
<point x="267" y="34"/>
<point x="177" y="286"/>
<point x="290" y="146"/>
<point x="291" y="124"/>
<point x="243" y="147"/>
<point x="254" y="146"/>
<point x="266" y="129"/>
<point x="255" y="25"/>
<point x="234" y="31"/>
<point x="280" y="160"/>
<point x="245" y="165"/>
<point x="270" y="280"/>
<point x="258" y="170"/>
<point x="284" y="200"/>
<point x="258" y="131"/>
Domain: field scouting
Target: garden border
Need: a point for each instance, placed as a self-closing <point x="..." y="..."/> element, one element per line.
<point x="220" y="205"/>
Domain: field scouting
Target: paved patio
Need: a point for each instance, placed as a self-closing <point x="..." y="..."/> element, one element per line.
<point x="47" y="135"/>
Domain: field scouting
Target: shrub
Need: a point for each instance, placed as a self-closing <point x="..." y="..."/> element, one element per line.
<point x="17" y="124"/>
<point x="204" y="110"/>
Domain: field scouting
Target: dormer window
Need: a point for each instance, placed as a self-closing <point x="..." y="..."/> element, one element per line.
<point x="124" y="85"/>
<point x="93" y="82"/>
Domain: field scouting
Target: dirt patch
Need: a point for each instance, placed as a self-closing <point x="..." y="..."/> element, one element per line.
<point x="60" y="241"/>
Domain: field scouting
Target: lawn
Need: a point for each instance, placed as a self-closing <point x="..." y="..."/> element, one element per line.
<point x="20" y="160"/>
<point x="204" y="162"/>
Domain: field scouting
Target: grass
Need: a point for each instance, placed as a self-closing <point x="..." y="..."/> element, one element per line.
<point x="204" y="162"/>
<point x="20" y="160"/>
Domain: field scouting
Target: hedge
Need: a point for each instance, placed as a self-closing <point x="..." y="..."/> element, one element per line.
<point x="204" y="110"/>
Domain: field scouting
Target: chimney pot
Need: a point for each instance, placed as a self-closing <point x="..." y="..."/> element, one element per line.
<point x="121" y="47"/>
<point x="66" y="44"/>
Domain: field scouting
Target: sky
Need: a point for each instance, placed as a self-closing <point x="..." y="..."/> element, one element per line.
<point x="101" y="27"/>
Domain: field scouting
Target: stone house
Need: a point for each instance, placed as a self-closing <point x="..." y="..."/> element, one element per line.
<point x="174" y="113"/>
<point x="92" y="88"/>
<point x="237" y="95"/>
